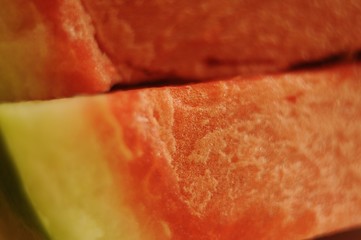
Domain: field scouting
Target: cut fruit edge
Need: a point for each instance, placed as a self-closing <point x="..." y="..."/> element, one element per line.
<point x="271" y="157"/>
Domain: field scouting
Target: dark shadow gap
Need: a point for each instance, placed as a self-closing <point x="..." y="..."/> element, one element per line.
<point x="170" y="81"/>
<point x="324" y="62"/>
<point x="331" y="60"/>
<point x="352" y="234"/>
<point x="358" y="56"/>
<point x="14" y="203"/>
<point x="215" y="62"/>
<point x="173" y="81"/>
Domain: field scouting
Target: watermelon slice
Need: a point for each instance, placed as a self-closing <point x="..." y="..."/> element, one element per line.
<point x="273" y="157"/>
<point x="48" y="50"/>
<point x="197" y="40"/>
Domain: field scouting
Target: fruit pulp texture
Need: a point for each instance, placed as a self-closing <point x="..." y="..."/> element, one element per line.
<point x="264" y="158"/>
<point x="61" y="49"/>
<point x="48" y="50"/>
<point x="188" y="40"/>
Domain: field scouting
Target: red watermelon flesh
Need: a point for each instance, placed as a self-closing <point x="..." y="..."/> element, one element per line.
<point x="278" y="158"/>
<point x="273" y="157"/>
<point x="198" y="40"/>
<point x="48" y="50"/>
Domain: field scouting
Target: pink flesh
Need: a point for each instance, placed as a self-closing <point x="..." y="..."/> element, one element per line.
<point x="199" y="40"/>
<point x="70" y="62"/>
<point x="276" y="157"/>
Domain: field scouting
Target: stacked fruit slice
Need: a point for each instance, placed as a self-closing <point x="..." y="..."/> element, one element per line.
<point x="48" y="50"/>
<point x="268" y="156"/>
<point x="64" y="48"/>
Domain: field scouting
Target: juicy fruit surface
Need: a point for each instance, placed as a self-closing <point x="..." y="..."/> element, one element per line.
<point x="244" y="156"/>
<point x="275" y="157"/>
<point x="18" y="220"/>
<point x="48" y="51"/>
<point x="68" y="183"/>
<point x="52" y="50"/>
<point x="197" y="40"/>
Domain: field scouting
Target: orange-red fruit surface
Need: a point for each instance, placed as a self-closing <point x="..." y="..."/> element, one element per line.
<point x="197" y="40"/>
<point x="70" y="47"/>
<point x="48" y="50"/>
<point x="275" y="157"/>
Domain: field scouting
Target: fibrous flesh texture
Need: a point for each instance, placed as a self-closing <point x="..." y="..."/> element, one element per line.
<point x="198" y="40"/>
<point x="64" y="48"/>
<point x="48" y="50"/>
<point x="274" y="157"/>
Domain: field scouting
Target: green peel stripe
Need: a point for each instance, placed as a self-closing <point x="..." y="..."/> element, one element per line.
<point x="15" y="195"/>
